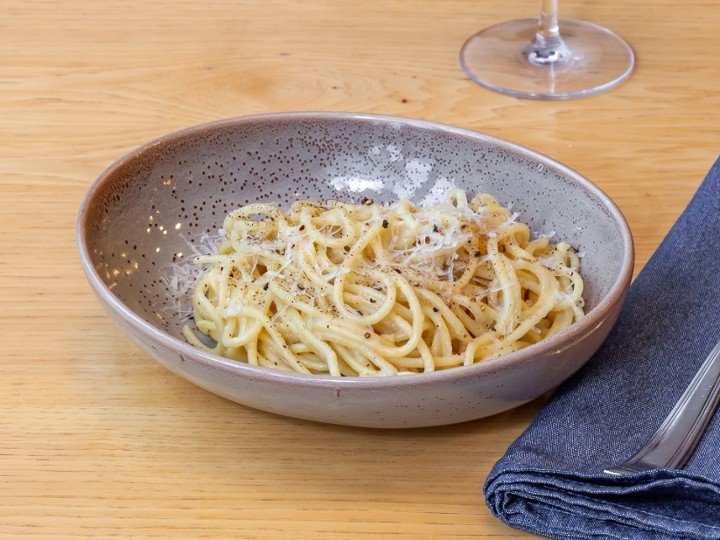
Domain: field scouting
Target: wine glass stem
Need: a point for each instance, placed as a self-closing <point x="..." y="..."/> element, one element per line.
<point x="547" y="47"/>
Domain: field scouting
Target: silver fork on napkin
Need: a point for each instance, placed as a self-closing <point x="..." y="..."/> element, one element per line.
<point x="674" y="442"/>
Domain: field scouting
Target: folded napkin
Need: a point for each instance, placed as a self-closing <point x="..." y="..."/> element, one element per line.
<point x="551" y="480"/>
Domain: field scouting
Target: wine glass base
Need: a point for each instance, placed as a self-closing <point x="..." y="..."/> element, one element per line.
<point x="497" y="59"/>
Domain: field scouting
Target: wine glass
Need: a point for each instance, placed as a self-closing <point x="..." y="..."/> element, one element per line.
<point x="547" y="59"/>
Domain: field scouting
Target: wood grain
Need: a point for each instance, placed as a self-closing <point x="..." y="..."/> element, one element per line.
<point x="98" y="441"/>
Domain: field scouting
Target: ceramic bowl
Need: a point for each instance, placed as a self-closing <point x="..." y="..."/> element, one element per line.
<point x="151" y="210"/>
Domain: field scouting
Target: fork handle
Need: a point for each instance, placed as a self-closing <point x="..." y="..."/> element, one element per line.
<point x="678" y="435"/>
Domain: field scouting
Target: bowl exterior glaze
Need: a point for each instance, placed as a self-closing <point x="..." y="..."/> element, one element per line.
<point x="150" y="211"/>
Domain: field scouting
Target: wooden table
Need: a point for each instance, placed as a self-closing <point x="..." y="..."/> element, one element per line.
<point x="99" y="441"/>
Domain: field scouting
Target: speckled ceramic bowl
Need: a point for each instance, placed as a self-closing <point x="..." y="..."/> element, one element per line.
<point x="152" y="209"/>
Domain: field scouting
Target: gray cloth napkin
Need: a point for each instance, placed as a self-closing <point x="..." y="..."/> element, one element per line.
<point x="551" y="480"/>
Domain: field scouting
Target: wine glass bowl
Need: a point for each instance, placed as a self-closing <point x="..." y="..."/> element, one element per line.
<point x="547" y="58"/>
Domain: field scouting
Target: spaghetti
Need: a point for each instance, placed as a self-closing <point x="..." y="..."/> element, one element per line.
<point x="365" y="289"/>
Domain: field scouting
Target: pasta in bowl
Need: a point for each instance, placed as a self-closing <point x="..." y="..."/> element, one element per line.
<point x="356" y="269"/>
<point x="365" y="290"/>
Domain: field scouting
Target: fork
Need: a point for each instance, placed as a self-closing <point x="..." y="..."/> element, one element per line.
<point x="676" y="438"/>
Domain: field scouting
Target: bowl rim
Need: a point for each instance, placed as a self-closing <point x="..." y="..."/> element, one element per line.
<point x="557" y="343"/>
